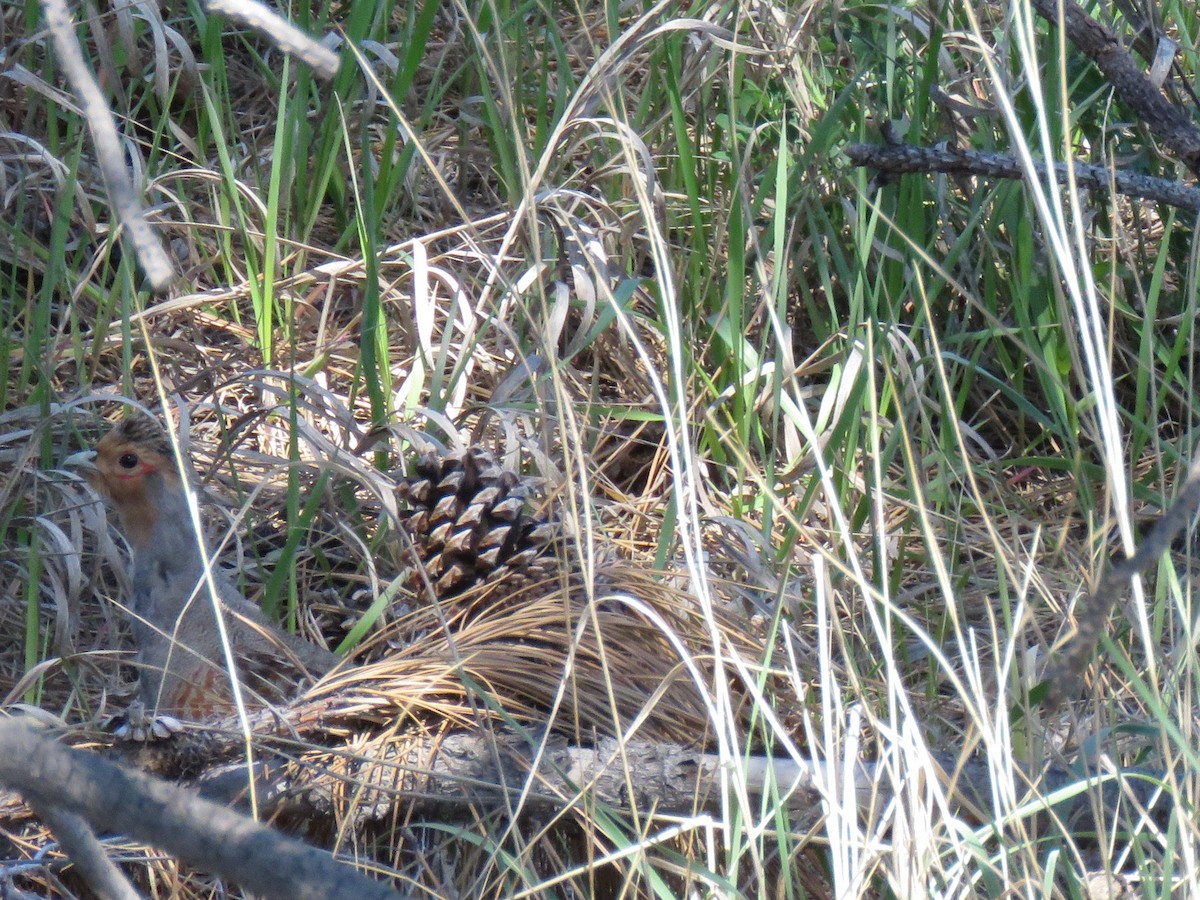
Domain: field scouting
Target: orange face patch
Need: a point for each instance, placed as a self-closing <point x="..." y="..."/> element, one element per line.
<point x="127" y="465"/>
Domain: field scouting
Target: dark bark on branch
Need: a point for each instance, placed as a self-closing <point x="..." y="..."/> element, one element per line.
<point x="906" y="158"/>
<point x="1073" y="653"/>
<point x="211" y="838"/>
<point x="1169" y="123"/>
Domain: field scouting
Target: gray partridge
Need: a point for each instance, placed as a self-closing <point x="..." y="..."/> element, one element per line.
<point x="183" y="668"/>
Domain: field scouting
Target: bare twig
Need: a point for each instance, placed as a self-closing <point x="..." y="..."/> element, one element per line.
<point x="121" y="191"/>
<point x="1074" y="651"/>
<point x="957" y="161"/>
<point x="76" y="837"/>
<point x="281" y="32"/>
<point x="203" y="834"/>
<point x="123" y="194"/>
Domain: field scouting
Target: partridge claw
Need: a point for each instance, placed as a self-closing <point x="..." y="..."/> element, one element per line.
<point x="132" y="724"/>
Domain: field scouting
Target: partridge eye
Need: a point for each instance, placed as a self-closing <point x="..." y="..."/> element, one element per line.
<point x="128" y="460"/>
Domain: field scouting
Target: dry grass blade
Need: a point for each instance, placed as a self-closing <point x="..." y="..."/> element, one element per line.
<point x="553" y="365"/>
<point x="520" y="646"/>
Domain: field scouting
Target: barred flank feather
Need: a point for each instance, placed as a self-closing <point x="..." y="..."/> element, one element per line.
<point x="469" y="523"/>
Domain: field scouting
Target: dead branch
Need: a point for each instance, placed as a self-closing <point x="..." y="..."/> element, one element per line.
<point x="1165" y="120"/>
<point x="323" y="61"/>
<point x="147" y="245"/>
<point x="86" y="852"/>
<point x="908" y="158"/>
<point x="203" y="834"/>
<point x="496" y="769"/>
<point x="123" y="194"/>
<point x="1073" y="653"/>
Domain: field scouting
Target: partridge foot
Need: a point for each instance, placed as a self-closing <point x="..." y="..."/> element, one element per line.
<point x="134" y="725"/>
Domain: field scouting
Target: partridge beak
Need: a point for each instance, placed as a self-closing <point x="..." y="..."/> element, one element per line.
<point x="84" y="459"/>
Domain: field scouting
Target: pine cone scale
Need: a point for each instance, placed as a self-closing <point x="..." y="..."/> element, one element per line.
<point x="468" y="521"/>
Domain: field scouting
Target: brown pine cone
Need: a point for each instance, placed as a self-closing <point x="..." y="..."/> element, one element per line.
<point x="469" y="523"/>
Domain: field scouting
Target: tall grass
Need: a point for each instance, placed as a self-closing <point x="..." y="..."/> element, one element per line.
<point x="921" y="410"/>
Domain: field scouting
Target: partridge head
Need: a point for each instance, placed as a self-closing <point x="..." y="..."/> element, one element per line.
<point x="133" y="468"/>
